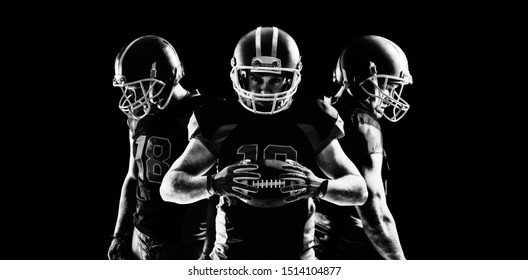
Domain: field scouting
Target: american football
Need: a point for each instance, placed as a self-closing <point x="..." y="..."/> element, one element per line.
<point x="269" y="185"/>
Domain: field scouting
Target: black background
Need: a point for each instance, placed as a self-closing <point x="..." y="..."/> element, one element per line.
<point x="455" y="192"/>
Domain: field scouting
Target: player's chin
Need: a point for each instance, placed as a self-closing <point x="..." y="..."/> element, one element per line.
<point x="378" y="113"/>
<point x="263" y="108"/>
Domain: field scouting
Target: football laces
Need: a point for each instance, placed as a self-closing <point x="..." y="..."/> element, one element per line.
<point x="269" y="183"/>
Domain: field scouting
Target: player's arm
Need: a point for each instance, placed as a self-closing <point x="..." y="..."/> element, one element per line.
<point x="378" y="222"/>
<point x="346" y="186"/>
<point x="210" y="233"/>
<point x="120" y="245"/>
<point x="184" y="183"/>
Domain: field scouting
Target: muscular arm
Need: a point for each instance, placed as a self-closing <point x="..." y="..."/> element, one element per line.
<point x="211" y="228"/>
<point x="120" y="246"/>
<point x="184" y="182"/>
<point x="378" y="222"/>
<point x="346" y="187"/>
<point x="127" y="200"/>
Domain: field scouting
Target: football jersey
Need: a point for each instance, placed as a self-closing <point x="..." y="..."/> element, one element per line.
<point x="159" y="139"/>
<point x="233" y="133"/>
<point x="362" y="137"/>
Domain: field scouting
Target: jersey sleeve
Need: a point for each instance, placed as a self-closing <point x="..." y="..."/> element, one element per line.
<point x="320" y="123"/>
<point x="208" y="129"/>
<point x="363" y="134"/>
<point x="196" y="132"/>
<point x="334" y="128"/>
<point x="337" y="125"/>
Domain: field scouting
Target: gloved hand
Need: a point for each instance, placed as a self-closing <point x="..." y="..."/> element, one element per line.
<point x="232" y="180"/>
<point x="308" y="184"/>
<point x="119" y="249"/>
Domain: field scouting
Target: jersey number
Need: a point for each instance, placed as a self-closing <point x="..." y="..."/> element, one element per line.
<point x="271" y="151"/>
<point x="157" y="150"/>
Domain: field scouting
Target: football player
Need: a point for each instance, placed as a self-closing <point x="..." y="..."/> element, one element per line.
<point x="371" y="72"/>
<point x="265" y="123"/>
<point x="148" y="73"/>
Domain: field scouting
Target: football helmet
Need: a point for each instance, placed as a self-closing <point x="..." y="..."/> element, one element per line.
<point x="266" y="50"/>
<point x="146" y="70"/>
<point x="375" y="67"/>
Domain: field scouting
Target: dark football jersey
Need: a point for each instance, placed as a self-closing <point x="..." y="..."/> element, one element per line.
<point x="362" y="137"/>
<point x="159" y="139"/>
<point x="232" y="133"/>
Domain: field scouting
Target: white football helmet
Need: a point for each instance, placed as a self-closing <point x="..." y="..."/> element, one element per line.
<point x="146" y="70"/>
<point x="266" y="50"/>
<point x="375" y="67"/>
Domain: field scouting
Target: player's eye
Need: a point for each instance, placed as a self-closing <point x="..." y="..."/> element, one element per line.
<point x="277" y="81"/>
<point x="255" y="79"/>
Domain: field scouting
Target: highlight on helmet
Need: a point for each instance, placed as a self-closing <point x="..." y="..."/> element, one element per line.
<point x="266" y="50"/>
<point x="375" y="67"/>
<point x="146" y="70"/>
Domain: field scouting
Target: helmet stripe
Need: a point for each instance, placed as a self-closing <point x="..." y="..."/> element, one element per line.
<point x="257" y="42"/>
<point x="275" y="42"/>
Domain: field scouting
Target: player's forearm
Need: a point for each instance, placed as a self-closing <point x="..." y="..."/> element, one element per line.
<point x="380" y="228"/>
<point x="127" y="204"/>
<point x="210" y="220"/>
<point x="182" y="188"/>
<point x="386" y="241"/>
<point x="348" y="190"/>
<point x="124" y="223"/>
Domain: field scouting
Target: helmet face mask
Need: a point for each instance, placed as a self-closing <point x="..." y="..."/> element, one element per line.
<point x="140" y="96"/>
<point x="387" y="91"/>
<point x="266" y="51"/>
<point x="264" y="103"/>
<point x="146" y="71"/>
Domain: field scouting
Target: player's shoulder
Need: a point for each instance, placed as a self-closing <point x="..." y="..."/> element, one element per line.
<point x="365" y="124"/>
<point x="194" y="100"/>
<point x="217" y="105"/>
<point x="362" y="117"/>
<point x="311" y="106"/>
<point x="132" y="124"/>
<point x="218" y="111"/>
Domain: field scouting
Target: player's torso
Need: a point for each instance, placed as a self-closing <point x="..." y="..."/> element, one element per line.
<point x="362" y="137"/>
<point x="158" y="141"/>
<point x="238" y="134"/>
<point x="265" y="137"/>
<point x="292" y="134"/>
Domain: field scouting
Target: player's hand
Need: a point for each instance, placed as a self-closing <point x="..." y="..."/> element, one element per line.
<point x="204" y="256"/>
<point x="232" y="180"/>
<point x="118" y="249"/>
<point x="307" y="183"/>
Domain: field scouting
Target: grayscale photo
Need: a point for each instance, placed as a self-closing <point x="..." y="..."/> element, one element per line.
<point x="328" y="135"/>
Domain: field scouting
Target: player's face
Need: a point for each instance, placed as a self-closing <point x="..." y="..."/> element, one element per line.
<point x="381" y="88"/>
<point x="145" y="91"/>
<point x="266" y="83"/>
